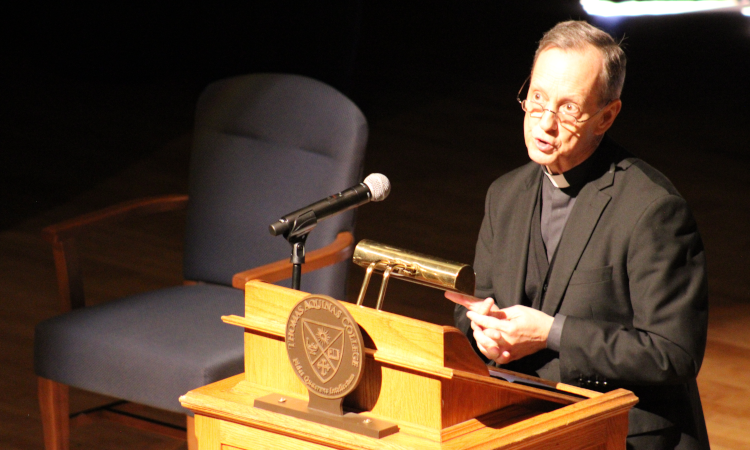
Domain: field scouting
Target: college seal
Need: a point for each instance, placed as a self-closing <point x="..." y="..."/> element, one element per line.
<point x="325" y="347"/>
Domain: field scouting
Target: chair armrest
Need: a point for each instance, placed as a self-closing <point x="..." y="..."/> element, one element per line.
<point x="70" y="228"/>
<point x="62" y="237"/>
<point x="340" y="249"/>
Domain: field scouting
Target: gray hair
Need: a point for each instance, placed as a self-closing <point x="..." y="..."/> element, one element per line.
<point x="576" y="35"/>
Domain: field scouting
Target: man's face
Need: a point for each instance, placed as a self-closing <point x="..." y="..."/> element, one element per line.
<point x="561" y="77"/>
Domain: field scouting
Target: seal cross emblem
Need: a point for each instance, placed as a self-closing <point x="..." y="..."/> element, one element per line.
<point x="324" y="344"/>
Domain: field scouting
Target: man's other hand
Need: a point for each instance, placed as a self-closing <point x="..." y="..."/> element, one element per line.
<point x="504" y="335"/>
<point x="511" y="333"/>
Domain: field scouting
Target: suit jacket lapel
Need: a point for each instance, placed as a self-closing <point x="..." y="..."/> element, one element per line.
<point x="518" y="249"/>
<point x="580" y="225"/>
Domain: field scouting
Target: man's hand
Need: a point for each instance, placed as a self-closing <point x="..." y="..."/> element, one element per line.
<point x="487" y="346"/>
<point x="504" y="335"/>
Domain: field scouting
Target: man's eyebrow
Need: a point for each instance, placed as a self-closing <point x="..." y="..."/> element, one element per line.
<point x="565" y="99"/>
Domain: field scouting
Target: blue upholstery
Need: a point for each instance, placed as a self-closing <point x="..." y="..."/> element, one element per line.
<point x="280" y="143"/>
<point x="148" y="348"/>
<point x="264" y="145"/>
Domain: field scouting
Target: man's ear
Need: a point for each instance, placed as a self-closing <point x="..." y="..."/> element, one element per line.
<point x="608" y="116"/>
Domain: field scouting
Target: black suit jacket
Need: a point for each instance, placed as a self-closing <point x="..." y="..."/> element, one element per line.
<point x="629" y="274"/>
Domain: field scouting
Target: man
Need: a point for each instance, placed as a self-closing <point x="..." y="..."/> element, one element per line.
<point x="590" y="260"/>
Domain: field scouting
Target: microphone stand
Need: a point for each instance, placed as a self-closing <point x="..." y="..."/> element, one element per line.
<point x="297" y="236"/>
<point x="297" y="259"/>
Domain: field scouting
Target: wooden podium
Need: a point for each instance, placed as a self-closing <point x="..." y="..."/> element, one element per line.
<point x="423" y="377"/>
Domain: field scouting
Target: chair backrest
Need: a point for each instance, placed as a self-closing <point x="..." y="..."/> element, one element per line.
<point x="266" y="145"/>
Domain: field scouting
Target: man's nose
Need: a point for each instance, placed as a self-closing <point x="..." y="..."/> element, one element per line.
<point x="548" y="121"/>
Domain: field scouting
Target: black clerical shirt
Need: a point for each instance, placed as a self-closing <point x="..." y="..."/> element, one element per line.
<point x="557" y="198"/>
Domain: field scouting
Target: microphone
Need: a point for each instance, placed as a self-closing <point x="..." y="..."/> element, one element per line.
<point x="375" y="187"/>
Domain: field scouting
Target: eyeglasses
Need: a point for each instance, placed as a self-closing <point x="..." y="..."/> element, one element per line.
<point x="569" y="114"/>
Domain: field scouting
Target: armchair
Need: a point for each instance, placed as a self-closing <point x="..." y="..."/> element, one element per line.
<point x="263" y="145"/>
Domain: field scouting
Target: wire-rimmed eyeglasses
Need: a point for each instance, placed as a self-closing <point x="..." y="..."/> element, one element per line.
<point x="568" y="114"/>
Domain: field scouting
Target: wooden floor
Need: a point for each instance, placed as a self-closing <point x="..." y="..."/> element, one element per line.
<point x="441" y="144"/>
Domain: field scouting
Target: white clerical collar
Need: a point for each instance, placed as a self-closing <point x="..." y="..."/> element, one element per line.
<point x="576" y="176"/>
<point x="558" y="181"/>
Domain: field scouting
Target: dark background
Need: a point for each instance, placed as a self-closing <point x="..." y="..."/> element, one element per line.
<point x="89" y="91"/>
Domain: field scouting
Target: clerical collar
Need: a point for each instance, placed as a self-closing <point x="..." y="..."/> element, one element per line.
<point x="558" y="181"/>
<point x="573" y="177"/>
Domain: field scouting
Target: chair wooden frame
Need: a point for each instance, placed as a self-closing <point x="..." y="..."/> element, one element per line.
<point x="53" y="396"/>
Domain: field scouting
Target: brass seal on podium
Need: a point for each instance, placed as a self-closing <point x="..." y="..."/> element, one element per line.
<point x="325" y="347"/>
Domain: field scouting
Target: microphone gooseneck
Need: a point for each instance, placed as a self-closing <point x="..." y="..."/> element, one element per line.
<point x="375" y="187"/>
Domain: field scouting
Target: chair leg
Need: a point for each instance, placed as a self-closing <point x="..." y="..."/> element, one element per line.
<point x="192" y="439"/>
<point x="54" y="407"/>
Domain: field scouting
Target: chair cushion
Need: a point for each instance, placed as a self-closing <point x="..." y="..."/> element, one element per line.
<point x="149" y="348"/>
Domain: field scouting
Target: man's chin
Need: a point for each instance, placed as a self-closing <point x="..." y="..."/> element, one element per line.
<point x="541" y="158"/>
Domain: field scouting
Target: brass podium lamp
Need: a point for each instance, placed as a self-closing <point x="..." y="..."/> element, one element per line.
<point x="410" y="266"/>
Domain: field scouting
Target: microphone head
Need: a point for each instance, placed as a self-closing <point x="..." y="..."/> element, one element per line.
<point x="379" y="186"/>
